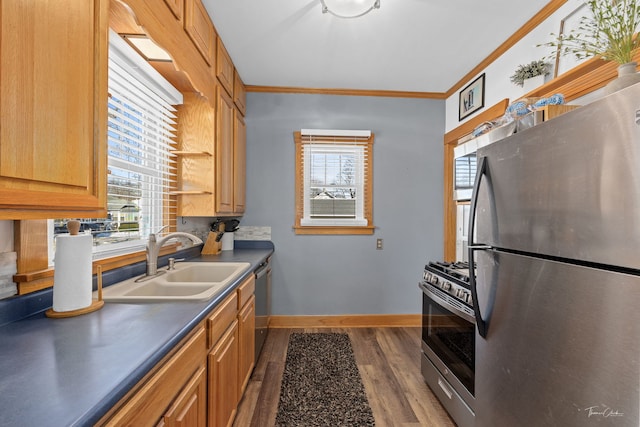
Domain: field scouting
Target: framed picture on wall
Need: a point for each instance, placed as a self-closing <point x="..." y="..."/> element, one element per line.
<point x="471" y="98"/>
<point x="569" y="23"/>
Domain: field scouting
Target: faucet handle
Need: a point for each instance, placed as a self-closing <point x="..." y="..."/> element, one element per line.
<point x="152" y="236"/>
<point x="161" y="228"/>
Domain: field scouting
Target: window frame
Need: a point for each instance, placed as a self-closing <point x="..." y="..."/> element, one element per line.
<point x="300" y="141"/>
<point x="139" y="98"/>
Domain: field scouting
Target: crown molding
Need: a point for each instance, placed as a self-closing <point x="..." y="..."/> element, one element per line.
<point x="347" y="92"/>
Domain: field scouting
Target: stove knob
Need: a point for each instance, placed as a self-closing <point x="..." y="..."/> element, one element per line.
<point x="425" y="276"/>
<point x="446" y="286"/>
<point x="434" y="280"/>
<point x="464" y="296"/>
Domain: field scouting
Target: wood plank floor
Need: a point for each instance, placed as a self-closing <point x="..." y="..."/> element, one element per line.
<point x="389" y="364"/>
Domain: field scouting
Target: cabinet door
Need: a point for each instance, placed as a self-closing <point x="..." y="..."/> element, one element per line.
<point x="224" y="68"/>
<point x="190" y="407"/>
<point x="247" y="325"/>
<point x="223" y="379"/>
<point x="239" y="162"/>
<point x="239" y="93"/>
<point x="177" y="8"/>
<point x="53" y="99"/>
<point x="224" y="152"/>
<point x="199" y="27"/>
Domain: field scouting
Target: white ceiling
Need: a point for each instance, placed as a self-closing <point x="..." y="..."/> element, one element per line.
<point x="406" y="45"/>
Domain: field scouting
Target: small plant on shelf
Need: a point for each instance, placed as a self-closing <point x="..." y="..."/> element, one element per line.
<point x="527" y="71"/>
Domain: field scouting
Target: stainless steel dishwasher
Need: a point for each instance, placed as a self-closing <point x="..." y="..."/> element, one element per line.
<point x="263" y="303"/>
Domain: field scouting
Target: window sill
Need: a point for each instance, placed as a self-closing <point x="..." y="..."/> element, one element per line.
<point x="37" y="280"/>
<point x="369" y="229"/>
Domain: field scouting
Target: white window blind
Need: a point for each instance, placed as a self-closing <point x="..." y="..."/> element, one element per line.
<point x="141" y="169"/>
<point x="335" y="166"/>
<point x="141" y="128"/>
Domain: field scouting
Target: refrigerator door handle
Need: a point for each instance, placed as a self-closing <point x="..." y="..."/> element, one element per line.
<point x="480" y="322"/>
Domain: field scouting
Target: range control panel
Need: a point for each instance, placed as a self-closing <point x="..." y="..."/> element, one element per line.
<point x="456" y="290"/>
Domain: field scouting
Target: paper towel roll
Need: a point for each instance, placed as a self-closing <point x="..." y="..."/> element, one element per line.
<point x="227" y="241"/>
<point x="72" y="284"/>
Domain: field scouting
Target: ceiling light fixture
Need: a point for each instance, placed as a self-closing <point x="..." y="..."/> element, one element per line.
<point x="349" y="8"/>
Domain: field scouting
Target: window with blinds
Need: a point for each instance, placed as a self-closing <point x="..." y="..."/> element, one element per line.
<point x="141" y="168"/>
<point x="334" y="182"/>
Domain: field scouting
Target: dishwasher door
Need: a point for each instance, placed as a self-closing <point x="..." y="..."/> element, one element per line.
<point x="263" y="304"/>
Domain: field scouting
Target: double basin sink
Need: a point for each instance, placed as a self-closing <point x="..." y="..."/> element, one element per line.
<point x="189" y="281"/>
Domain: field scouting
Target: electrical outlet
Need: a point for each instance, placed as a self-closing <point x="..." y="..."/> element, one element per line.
<point x="379" y="244"/>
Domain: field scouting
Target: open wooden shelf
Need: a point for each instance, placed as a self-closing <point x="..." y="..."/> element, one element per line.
<point x="191" y="153"/>
<point x="190" y="192"/>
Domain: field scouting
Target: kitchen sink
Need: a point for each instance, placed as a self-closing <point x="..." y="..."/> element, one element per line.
<point x="205" y="272"/>
<point x="189" y="281"/>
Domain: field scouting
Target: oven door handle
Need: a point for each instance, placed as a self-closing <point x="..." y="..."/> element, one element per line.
<point x="473" y="247"/>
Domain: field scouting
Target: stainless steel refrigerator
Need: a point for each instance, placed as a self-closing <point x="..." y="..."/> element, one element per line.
<point x="556" y="245"/>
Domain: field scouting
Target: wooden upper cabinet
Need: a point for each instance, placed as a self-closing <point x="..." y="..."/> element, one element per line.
<point x="224" y="68"/>
<point x="53" y="100"/>
<point x="177" y="8"/>
<point x="224" y="152"/>
<point x="239" y="162"/>
<point x="200" y="29"/>
<point x="239" y="93"/>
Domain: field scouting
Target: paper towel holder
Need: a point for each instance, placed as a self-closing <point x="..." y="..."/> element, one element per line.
<point x="74" y="227"/>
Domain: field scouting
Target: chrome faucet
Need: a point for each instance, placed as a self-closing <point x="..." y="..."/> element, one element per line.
<point x="153" y="249"/>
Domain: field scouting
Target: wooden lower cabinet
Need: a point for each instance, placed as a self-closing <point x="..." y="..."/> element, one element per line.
<point x="168" y="392"/>
<point x="203" y="380"/>
<point x="190" y="407"/>
<point x="247" y="331"/>
<point x="223" y="379"/>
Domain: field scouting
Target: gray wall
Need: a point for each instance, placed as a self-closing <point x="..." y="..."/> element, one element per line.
<point x="315" y="275"/>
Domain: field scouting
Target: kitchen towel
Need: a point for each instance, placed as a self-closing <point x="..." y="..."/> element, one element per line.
<point x="72" y="284"/>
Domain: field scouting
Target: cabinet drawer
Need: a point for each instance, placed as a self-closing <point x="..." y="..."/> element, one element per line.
<point x="246" y="290"/>
<point x="220" y="320"/>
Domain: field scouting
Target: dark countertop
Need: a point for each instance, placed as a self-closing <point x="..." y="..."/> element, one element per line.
<point x="71" y="371"/>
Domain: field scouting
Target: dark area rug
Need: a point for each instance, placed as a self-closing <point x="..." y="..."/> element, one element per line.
<point x="321" y="385"/>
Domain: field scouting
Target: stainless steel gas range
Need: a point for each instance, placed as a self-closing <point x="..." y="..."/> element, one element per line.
<point x="448" y="338"/>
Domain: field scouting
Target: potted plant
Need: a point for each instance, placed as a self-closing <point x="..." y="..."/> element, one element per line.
<point x="609" y="33"/>
<point x="530" y="75"/>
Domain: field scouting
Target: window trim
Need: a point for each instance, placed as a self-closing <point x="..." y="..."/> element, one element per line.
<point x="298" y="228"/>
